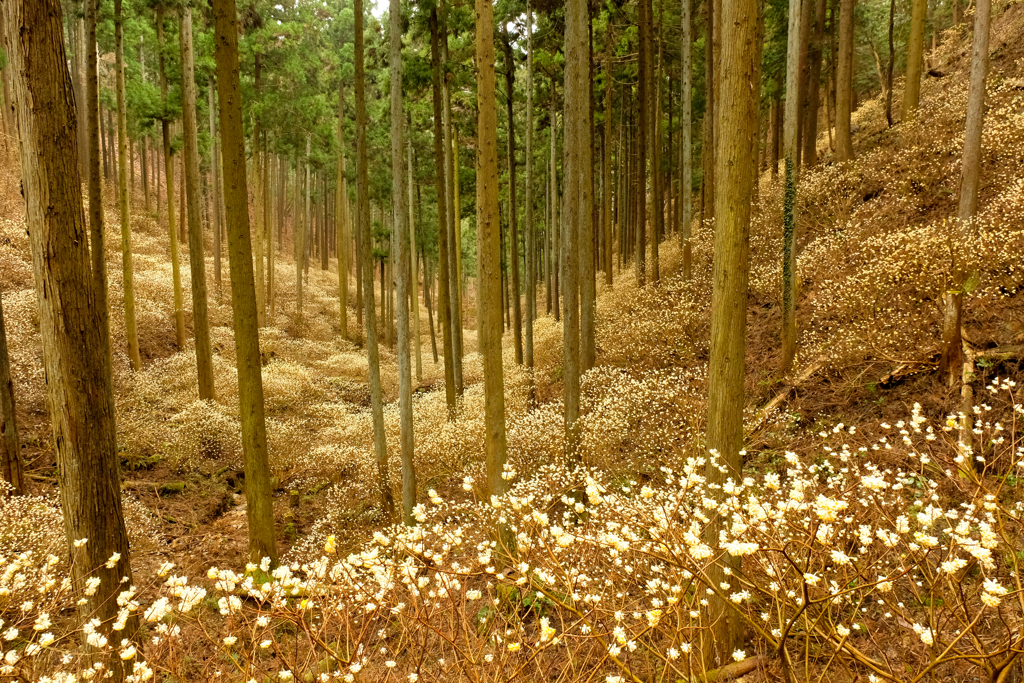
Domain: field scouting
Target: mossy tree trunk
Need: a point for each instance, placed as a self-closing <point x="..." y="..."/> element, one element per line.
<point x="259" y="508"/>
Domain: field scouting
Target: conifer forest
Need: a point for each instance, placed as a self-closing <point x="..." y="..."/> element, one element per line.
<point x="512" y="341"/>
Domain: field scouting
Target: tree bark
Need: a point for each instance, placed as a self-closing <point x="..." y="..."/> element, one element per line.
<point x="414" y="265"/>
<point x="735" y="159"/>
<point x="844" y="83"/>
<point x="577" y="211"/>
<point x="96" y="228"/>
<point x="197" y="260"/>
<point x="810" y="133"/>
<point x="165" y="125"/>
<point x="401" y="235"/>
<point x="686" y="181"/>
<point x="363" y="225"/>
<point x="531" y="229"/>
<point x="489" y="244"/>
<point x="513" y="217"/>
<point x="643" y="119"/>
<point x="131" y="330"/>
<point x="341" y="202"/>
<point x="556" y="227"/>
<point x="259" y="509"/>
<point x="215" y="171"/>
<point x="951" y="357"/>
<point x="452" y="213"/>
<point x="915" y="56"/>
<point x="443" y="271"/>
<point x="76" y="351"/>
<point x="791" y="144"/>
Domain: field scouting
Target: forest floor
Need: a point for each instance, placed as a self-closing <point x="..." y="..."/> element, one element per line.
<point x="878" y="246"/>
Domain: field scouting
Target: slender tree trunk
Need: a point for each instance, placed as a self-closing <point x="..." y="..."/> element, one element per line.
<point x="810" y="137"/>
<point x="606" y="164"/>
<point x="791" y="143"/>
<point x="489" y="244"/>
<point x="890" y="64"/>
<point x="76" y="349"/>
<point x="131" y="331"/>
<point x="363" y="222"/>
<point x="96" y="229"/>
<point x="401" y="234"/>
<point x="517" y="313"/>
<point x="179" y="314"/>
<point x="707" y="202"/>
<point x="414" y="265"/>
<point x="259" y="509"/>
<point x="144" y="153"/>
<point x="735" y="158"/>
<point x="806" y="19"/>
<point x="10" y="446"/>
<point x="587" y="217"/>
<point x="643" y="119"/>
<point x="200" y="319"/>
<point x="686" y="182"/>
<point x="844" y="83"/>
<point x="300" y="229"/>
<point x="653" y="113"/>
<point x="915" y="54"/>
<point x="258" y="201"/>
<point x="340" y="202"/>
<point x="452" y="214"/>
<point x="556" y="226"/>
<point x="427" y="286"/>
<point x="577" y="216"/>
<point x="443" y="271"/>
<point x="215" y="171"/>
<point x="951" y="357"/>
<point x="531" y="228"/>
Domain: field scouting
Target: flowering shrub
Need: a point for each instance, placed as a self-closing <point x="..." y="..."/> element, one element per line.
<point x="839" y="560"/>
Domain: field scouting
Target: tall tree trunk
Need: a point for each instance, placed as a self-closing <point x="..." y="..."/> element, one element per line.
<point x="10" y="446"/>
<point x="489" y="244"/>
<point x="951" y="356"/>
<point x="806" y="19"/>
<point x="96" y="229"/>
<point x="258" y="200"/>
<point x="577" y="216"/>
<point x="890" y="64"/>
<point x="585" y="233"/>
<point x="531" y="228"/>
<point x="165" y="125"/>
<point x="643" y="119"/>
<point x="844" y="83"/>
<point x="200" y="319"/>
<point x="341" y="200"/>
<point x="443" y="271"/>
<point x="215" y="171"/>
<point x="414" y="265"/>
<point x="513" y="219"/>
<point x="707" y="200"/>
<point x="556" y="226"/>
<point x="735" y="158"/>
<point x="452" y="216"/>
<point x="427" y="286"/>
<point x="401" y="234"/>
<point x="791" y="144"/>
<point x="131" y="331"/>
<point x="653" y="113"/>
<point x="259" y="509"/>
<point x="606" y="163"/>
<point x="76" y="350"/>
<point x="686" y="182"/>
<point x="380" y="446"/>
<point x="810" y="132"/>
<point x="300" y="229"/>
<point x="915" y="55"/>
